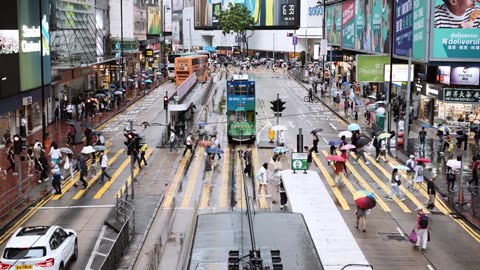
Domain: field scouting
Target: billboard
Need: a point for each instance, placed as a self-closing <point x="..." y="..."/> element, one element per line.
<point x="465" y="76"/>
<point x="267" y="14"/>
<point x="443" y="74"/>
<point x="399" y="74"/>
<point x="9" y="50"/>
<point x="455" y="31"/>
<point x="348" y="24"/>
<point x="153" y="20"/>
<point x="167" y="18"/>
<point x="410" y="28"/>
<point x="370" y="68"/>
<point x="30" y="38"/>
<point x="333" y="22"/>
<point x="372" y="25"/>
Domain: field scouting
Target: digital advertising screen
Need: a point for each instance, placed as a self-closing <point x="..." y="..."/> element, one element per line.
<point x="456" y="33"/>
<point x="9" y="50"/>
<point x="465" y="76"/>
<point x="443" y="75"/>
<point x="372" y="22"/>
<point x="267" y="14"/>
<point x="333" y="22"/>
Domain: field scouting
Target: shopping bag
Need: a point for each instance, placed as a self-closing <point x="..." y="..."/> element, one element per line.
<point x="413" y="237"/>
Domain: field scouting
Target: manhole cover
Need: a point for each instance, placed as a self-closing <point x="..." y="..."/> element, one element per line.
<point x="392" y="236"/>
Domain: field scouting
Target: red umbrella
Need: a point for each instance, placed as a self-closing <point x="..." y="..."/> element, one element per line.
<point x="336" y="158"/>
<point x="423" y="160"/>
<point x="206" y="143"/>
<point x="364" y="199"/>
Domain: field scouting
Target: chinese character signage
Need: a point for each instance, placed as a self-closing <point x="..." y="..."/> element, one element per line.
<point x="456" y="36"/>
<point x="461" y="95"/>
<point x="370" y="68"/>
<point x="348" y="24"/>
<point x="410" y="28"/>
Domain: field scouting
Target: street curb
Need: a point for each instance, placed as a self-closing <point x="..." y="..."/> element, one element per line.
<point x="453" y="207"/>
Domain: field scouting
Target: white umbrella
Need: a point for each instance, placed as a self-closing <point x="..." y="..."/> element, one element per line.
<point x="279" y="128"/>
<point x="345" y="133"/>
<point x="87" y="150"/>
<point x="380" y="110"/>
<point x="118" y="92"/>
<point x="454" y="164"/>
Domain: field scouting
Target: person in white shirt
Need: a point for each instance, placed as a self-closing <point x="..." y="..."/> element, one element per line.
<point x="23" y="127"/>
<point x="189" y="145"/>
<point x="104" y="165"/>
<point x="262" y="178"/>
<point x="172" y="140"/>
<point x="55" y="153"/>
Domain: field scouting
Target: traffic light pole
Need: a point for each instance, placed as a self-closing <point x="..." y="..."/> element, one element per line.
<point x="278" y="113"/>
<point x="20" y="174"/>
<point x="132" y="160"/>
<point x="166" y="113"/>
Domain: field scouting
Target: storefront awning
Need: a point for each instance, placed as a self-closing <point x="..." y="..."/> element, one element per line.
<point x="178" y="107"/>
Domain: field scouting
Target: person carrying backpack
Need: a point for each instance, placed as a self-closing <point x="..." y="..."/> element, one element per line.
<point x="421" y="228"/>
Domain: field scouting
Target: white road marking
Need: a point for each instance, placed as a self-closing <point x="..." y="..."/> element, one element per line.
<point x="291" y="124"/>
<point x="333" y="126"/>
<point x="74" y="207"/>
<point x="309" y="123"/>
<point x="430" y="267"/>
<point x="325" y="140"/>
<point x="400" y="231"/>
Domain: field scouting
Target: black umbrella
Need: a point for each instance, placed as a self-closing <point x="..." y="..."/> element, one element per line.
<point x="87" y="124"/>
<point x="317" y="130"/>
<point x="362" y="142"/>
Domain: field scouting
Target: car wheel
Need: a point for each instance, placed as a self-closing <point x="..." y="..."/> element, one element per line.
<point x="75" y="251"/>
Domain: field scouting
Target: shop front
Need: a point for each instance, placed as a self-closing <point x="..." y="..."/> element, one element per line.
<point x="459" y="105"/>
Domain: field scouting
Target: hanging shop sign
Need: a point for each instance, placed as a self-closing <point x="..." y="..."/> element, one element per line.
<point x="465" y="76"/>
<point x="461" y="95"/>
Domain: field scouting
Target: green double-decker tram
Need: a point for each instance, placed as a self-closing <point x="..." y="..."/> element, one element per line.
<point x="241" y="109"/>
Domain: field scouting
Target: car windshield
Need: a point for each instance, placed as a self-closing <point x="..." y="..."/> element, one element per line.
<point x="24" y="253"/>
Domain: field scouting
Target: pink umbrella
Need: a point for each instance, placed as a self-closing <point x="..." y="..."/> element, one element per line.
<point x="348" y="147"/>
<point x="336" y="158"/>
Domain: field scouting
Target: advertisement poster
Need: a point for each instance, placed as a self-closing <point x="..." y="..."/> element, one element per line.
<point x="371" y="68"/>
<point x="455" y="30"/>
<point x="403" y="39"/>
<point x="465" y="76"/>
<point x="419" y="29"/>
<point x="267" y="14"/>
<point x="348" y="24"/>
<point x="30" y="47"/>
<point x="9" y="43"/>
<point x="333" y="15"/>
<point x="372" y="21"/>
<point x="167" y="23"/>
<point x="153" y="21"/>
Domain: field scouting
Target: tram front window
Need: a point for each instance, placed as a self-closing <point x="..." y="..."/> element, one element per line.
<point x="240" y="116"/>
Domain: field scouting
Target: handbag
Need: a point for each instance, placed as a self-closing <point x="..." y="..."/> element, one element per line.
<point x="413" y="236"/>
<point x="66" y="166"/>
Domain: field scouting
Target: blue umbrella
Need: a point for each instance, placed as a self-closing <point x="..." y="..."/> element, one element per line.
<point x="112" y="85"/>
<point x="335" y="142"/>
<point x="353" y="127"/>
<point x="214" y="150"/>
<point x="426" y="125"/>
<point x="148" y="81"/>
<point x="358" y="102"/>
<point x="280" y="149"/>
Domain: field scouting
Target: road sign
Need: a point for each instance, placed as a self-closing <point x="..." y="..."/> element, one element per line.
<point x="295" y="40"/>
<point x="299" y="161"/>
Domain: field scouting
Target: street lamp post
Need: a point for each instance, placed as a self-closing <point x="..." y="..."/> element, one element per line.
<point x="121" y="44"/>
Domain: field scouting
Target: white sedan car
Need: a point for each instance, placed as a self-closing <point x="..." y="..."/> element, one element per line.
<point x="40" y="247"/>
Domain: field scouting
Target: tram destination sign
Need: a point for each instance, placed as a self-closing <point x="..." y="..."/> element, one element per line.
<point x="299" y="161"/>
<point x="461" y="95"/>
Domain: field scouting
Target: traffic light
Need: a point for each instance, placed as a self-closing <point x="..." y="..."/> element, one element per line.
<point x="278" y="106"/>
<point x="165" y="102"/>
<point x="17" y="144"/>
<point x="130" y="143"/>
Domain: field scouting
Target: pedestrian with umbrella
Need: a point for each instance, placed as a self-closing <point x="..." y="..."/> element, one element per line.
<point x="361" y="151"/>
<point x="395" y="183"/>
<point x="82" y="167"/>
<point x="262" y="178"/>
<point x="383" y="150"/>
<point x="364" y="201"/>
<point x="315" y="142"/>
<point x="339" y="167"/>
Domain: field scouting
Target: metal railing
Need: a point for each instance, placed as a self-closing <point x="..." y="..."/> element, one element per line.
<point x="125" y="213"/>
<point x="15" y="196"/>
<point x="475" y="204"/>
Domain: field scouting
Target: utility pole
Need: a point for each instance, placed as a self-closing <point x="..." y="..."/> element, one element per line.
<point x="42" y="72"/>
<point x="166" y="112"/>
<point x="121" y="47"/>
<point x="278" y="113"/>
<point x="409" y="92"/>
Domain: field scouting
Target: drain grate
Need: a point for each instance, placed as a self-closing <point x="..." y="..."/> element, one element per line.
<point x="392" y="236"/>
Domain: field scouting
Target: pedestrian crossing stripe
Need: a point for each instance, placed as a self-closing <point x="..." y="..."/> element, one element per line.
<point x="365" y="186"/>
<point x="261" y="200"/>
<point x="192" y="179"/>
<point x="330" y="182"/>
<point x="405" y="191"/>
<point x="69" y="183"/>
<point x="382" y="185"/>
<point x="240" y="190"/>
<point x="136" y="171"/>
<point x="172" y="191"/>
<point x="222" y="202"/>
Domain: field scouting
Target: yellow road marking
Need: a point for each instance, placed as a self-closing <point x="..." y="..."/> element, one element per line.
<point x="262" y="200"/>
<point x="224" y="185"/>
<point x="402" y="188"/>
<point x="383" y="186"/>
<point x="345" y="181"/>
<point x="68" y="183"/>
<point x="135" y="173"/>
<point x="240" y="190"/>
<point x="167" y="203"/>
<point x="6" y="235"/>
<point x="192" y="179"/>
<point x="330" y="182"/>
<point x="117" y="173"/>
<point x="97" y="176"/>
